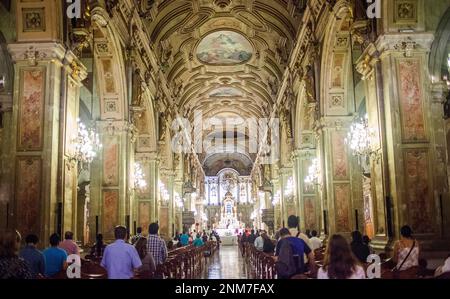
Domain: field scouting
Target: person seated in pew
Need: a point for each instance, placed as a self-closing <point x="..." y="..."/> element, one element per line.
<point x="444" y="268"/>
<point x="69" y="245"/>
<point x="339" y="262"/>
<point x="316" y="243"/>
<point x="406" y="250"/>
<point x="120" y="259"/>
<point x="198" y="242"/>
<point x="11" y="265"/>
<point x="359" y="249"/>
<point x="148" y="263"/>
<point x="98" y="248"/>
<point x="55" y="258"/>
<point x="34" y="258"/>
<point x="184" y="239"/>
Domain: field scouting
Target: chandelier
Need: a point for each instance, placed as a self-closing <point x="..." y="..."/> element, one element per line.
<point x="86" y="144"/>
<point x="313" y="172"/>
<point x="178" y="201"/>
<point x="139" y="178"/>
<point x="165" y="196"/>
<point x="359" y="137"/>
<point x="289" y="190"/>
<point x="276" y="199"/>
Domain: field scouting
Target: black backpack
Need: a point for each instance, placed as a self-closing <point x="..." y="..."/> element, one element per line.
<point x="286" y="264"/>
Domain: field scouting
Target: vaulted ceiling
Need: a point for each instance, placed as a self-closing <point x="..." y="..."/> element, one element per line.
<point x="224" y="57"/>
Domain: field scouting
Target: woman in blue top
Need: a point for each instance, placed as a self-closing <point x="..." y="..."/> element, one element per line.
<point x="198" y="242"/>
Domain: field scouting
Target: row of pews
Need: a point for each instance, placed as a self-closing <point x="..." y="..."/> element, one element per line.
<point x="182" y="263"/>
<point x="263" y="266"/>
<point x="186" y="262"/>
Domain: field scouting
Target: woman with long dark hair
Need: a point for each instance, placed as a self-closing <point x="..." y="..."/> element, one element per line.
<point x="148" y="262"/>
<point x="339" y="262"/>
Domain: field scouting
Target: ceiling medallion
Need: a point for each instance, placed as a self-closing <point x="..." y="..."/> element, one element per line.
<point x="224" y="48"/>
<point x="222" y="3"/>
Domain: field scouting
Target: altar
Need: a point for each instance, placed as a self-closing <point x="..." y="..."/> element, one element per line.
<point x="229" y="227"/>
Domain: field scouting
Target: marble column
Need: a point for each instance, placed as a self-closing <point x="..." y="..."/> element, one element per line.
<point x="44" y="123"/>
<point x="110" y="177"/>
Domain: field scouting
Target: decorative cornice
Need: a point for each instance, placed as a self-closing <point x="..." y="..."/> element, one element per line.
<point x="405" y="42"/>
<point x="36" y="52"/>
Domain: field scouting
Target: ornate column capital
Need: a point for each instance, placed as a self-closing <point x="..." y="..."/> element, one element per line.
<point x="146" y="158"/>
<point x="35" y="52"/>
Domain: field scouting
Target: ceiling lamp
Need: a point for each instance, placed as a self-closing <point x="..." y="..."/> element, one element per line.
<point x="276" y="199"/>
<point x="139" y="178"/>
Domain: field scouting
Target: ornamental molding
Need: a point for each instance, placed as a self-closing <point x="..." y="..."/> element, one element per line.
<point x="405" y="42"/>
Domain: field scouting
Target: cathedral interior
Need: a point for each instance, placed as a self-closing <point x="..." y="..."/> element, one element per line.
<point x="224" y="114"/>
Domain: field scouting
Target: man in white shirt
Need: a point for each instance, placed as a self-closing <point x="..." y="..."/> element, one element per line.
<point x="259" y="242"/>
<point x="316" y="243"/>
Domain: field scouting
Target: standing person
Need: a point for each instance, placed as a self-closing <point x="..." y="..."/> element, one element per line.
<point x="11" y="266"/>
<point x="366" y="240"/>
<point x="34" y="258"/>
<point x="184" y="239"/>
<point x="69" y="245"/>
<point x="205" y="237"/>
<point x="291" y="252"/>
<point x="99" y="247"/>
<point x="198" y="242"/>
<point x="120" y="258"/>
<point x="252" y="237"/>
<point x="406" y="250"/>
<point x="155" y="245"/>
<point x="359" y="249"/>
<point x="268" y="246"/>
<point x="293" y="222"/>
<point x="136" y="237"/>
<point x="316" y="243"/>
<point x="55" y="257"/>
<point x="148" y="263"/>
<point x="259" y="241"/>
<point x="339" y="262"/>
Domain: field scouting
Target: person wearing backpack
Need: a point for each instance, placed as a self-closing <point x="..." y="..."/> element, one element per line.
<point x="291" y="252"/>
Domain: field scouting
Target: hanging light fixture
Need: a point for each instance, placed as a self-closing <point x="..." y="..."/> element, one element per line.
<point x="86" y="144"/>
<point x="165" y="196"/>
<point x="289" y="190"/>
<point x="276" y="199"/>
<point x="313" y="173"/>
<point x="139" y="177"/>
<point x="178" y="200"/>
<point x="359" y="137"/>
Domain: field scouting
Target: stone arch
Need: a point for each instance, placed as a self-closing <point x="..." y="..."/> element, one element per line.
<point x="110" y="67"/>
<point x="342" y="179"/>
<point x="440" y="47"/>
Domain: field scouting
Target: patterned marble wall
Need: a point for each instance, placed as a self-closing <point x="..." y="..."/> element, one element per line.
<point x="31" y="109"/>
<point x="410" y="98"/>
<point x="111" y="161"/>
<point x="28" y="194"/>
<point x="110" y="212"/>
<point x="339" y="156"/>
<point x="310" y="213"/>
<point x="144" y="216"/>
<point x="342" y="198"/>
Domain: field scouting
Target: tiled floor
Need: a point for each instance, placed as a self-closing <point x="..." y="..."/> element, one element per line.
<point x="227" y="263"/>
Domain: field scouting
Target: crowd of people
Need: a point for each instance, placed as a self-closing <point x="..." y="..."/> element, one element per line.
<point x="295" y="252"/>
<point x="129" y="256"/>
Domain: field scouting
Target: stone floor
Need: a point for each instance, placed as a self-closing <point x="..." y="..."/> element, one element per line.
<point x="227" y="263"/>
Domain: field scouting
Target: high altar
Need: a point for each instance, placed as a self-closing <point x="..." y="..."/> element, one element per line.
<point x="229" y="223"/>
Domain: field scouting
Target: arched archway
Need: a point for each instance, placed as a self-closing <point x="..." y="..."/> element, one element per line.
<point x="338" y="104"/>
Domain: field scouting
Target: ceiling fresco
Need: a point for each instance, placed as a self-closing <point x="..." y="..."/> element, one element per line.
<point x="226" y="92"/>
<point x="224" y="48"/>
